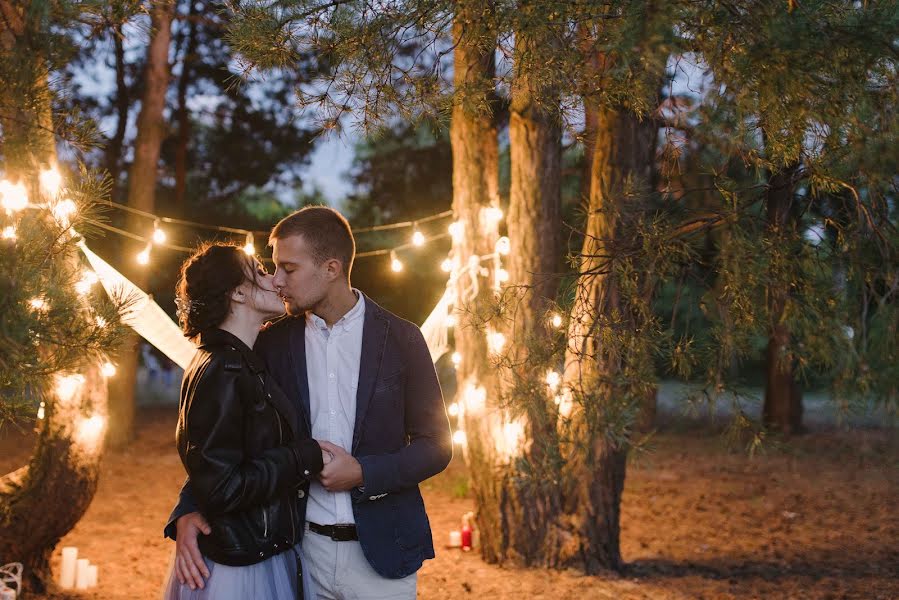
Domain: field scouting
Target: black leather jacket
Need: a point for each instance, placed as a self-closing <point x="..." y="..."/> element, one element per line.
<point x="248" y="471"/>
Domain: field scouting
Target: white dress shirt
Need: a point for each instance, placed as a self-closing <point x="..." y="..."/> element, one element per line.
<point x="332" y="367"/>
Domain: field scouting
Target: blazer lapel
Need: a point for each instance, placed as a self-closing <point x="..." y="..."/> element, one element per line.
<point x="298" y="367"/>
<point x="374" y="340"/>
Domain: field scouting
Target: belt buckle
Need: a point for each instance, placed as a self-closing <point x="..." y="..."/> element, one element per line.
<point x="338" y="532"/>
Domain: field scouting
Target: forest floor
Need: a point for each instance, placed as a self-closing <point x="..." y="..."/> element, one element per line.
<point x="814" y="517"/>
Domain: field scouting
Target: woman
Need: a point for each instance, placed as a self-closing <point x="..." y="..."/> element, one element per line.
<point x="235" y="438"/>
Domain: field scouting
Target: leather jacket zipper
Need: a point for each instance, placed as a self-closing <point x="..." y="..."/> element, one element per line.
<point x="265" y="523"/>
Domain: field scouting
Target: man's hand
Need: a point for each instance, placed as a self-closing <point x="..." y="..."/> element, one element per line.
<point x="342" y="472"/>
<point x="189" y="565"/>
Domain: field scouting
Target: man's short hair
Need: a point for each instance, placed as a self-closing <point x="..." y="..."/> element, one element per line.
<point x="325" y="230"/>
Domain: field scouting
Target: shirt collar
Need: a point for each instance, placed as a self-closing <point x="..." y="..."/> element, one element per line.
<point x="352" y="315"/>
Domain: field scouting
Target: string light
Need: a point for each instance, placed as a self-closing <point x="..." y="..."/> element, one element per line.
<point x="507" y="444"/>
<point x="50" y="181"/>
<point x="503" y="246"/>
<point x="556" y="320"/>
<point x="453" y="409"/>
<point x="40" y="410"/>
<point x="249" y="247"/>
<point x="495" y="341"/>
<point x="9" y="233"/>
<point x="88" y="432"/>
<point x="456" y="358"/>
<point x="460" y="438"/>
<point x="159" y="236"/>
<point x="88" y="279"/>
<point x="418" y="238"/>
<point x="553" y="379"/>
<point x="475" y="399"/>
<point x="456" y="229"/>
<point x="502" y="276"/>
<point x="63" y="211"/>
<point x="447" y="265"/>
<point x="15" y="197"/>
<point x="68" y="385"/>
<point x="101" y="322"/>
<point x="395" y="264"/>
<point x="492" y="215"/>
<point x="38" y="304"/>
<point x="108" y="369"/>
<point x="143" y="257"/>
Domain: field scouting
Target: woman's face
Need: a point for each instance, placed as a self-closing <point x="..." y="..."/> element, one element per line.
<point x="261" y="294"/>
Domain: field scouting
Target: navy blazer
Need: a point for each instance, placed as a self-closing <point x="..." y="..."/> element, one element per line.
<point x="401" y="435"/>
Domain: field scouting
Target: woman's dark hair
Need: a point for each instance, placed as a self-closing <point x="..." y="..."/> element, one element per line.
<point x="208" y="277"/>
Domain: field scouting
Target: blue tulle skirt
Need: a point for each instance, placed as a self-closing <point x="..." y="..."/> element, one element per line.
<point x="272" y="579"/>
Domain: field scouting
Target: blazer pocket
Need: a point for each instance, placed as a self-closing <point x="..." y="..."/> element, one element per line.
<point x="392" y="381"/>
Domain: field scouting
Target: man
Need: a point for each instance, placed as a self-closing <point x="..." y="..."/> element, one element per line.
<point x="366" y="387"/>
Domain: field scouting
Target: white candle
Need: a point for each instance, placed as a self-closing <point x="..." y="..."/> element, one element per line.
<point x="92" y="573"/>
<point x="67" y="572"/>
<point x="81" y="574"/>
<point x="455" y="540"/>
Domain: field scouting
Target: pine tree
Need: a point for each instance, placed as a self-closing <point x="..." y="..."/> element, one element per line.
<point x="58" y="327"/>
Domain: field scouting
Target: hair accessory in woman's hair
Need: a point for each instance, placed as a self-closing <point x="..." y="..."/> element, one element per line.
<point x="186" y="307"/>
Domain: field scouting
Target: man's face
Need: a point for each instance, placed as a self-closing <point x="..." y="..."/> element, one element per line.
<point x="301" y="282"/>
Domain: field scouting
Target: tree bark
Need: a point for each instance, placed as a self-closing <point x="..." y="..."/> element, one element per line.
<point x="151" y="130"/>
<point x="123" y="103"/>
<point x="782" y="408"/>
<point x="528" y="506"/>
<point x="595" y="465"/>
<point x="473" y="137"/>
<point x="63" y="470"/>
<point x="183" y="116"/>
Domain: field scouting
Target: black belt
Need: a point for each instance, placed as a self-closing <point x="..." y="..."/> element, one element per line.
<point x="338" y="533"/>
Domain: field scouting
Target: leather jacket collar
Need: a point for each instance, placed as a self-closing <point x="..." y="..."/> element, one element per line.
<point x="210" y="338"/>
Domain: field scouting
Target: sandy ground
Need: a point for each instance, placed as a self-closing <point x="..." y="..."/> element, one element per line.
<point x="817" y="518"/>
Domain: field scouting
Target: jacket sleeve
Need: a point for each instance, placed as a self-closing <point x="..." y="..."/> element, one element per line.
<point x="427" y="425"/>
<point x="222" y="478"/>
<point x="186" y="505"/>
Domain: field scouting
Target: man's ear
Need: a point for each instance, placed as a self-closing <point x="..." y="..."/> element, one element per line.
<point x="238" y="295"/>
<point x="334" y="268"/>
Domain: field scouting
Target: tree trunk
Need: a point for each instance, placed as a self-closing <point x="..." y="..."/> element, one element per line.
<point x="783" y="398"/>
<point x="595" y="465"/>
<point x="473" y="137"/>
<point x="183" y="116"/>
<point x="122" y="103"/>
<point x="528" y="506"/>
<point x="43" y="501"/>
<point x="141" y="195"/>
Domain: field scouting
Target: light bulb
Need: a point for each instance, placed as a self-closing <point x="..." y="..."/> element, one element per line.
<point x="38" y="304"/>
<point x="63" y="211"/>
<point x="159" y="236"/>
<point x="446" y="266"/>
<point x="50" y="181"/>
<point x="418" y="239"/>
<point x="456" y="358"/>
<point x="495" y="341"/>
<point x="493" y="215"/>
<point x="453" y="409"/>
<point x="14" y="195"/>
<point x="101" y="322"/>
<point x="456" y="229"/>
<point x="503" y="246"/>
<point x="108" y="369"/>
<point x="460" y="438"/>
<point x="249" y="248"/>
<point x="553" y="379"/>
<point x="556" y="320"/>
<point x="502" y="276"/>
<point x="9" y="233"/>
<point x="395" y="264"/>
<point x="143" y="257"/>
